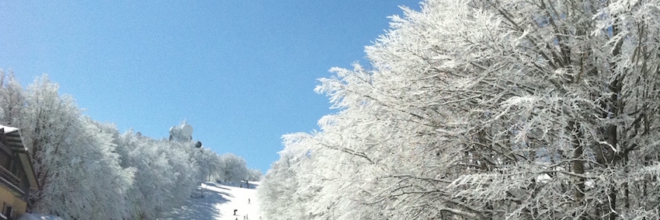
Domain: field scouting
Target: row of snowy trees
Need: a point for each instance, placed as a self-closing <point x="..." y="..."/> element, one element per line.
<point x="507" y="109"/>
<point x="88" y="170"/>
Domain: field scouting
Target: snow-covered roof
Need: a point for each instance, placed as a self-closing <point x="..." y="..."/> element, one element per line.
<point x="8" y="129"/>
<point x="13" y="137"/>
<point x="15" y="143"/>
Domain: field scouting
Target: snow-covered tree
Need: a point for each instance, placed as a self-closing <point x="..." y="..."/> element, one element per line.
<point x="233" y="168"/>
<point x="88" y="170"/>
<point x="493" y="109"/>
<point x="279" y="187"/>
<point x="12" y="99"/>
<point x="209" y="164"/>
<point x="74" y="160"/>
<point x="166" y="173"/>
<point x="254" y="175"/>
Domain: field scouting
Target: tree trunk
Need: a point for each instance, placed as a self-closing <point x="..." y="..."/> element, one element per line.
<point x="578" y="164"/>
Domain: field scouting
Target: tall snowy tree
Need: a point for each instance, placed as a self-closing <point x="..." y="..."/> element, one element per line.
<point x="254" y="175"/>
<point x="234" y="168"/>
<point x="12" y="99"/>
<point x="74" y="160"/>
<point x="496" y="109"/>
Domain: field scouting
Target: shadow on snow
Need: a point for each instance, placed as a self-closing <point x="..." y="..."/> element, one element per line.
<point x="201" y="207"/>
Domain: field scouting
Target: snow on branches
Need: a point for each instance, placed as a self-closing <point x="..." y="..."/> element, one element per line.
<point x="510" y="109"/>
<point x="88" y="170"/>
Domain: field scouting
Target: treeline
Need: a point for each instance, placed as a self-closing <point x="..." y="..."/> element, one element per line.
<point x="89" y="170"/>
<point x="513" y="109"/>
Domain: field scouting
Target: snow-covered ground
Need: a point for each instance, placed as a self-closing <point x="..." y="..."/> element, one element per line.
<point x="35" y="216"/>
<point x="219" y="202"/>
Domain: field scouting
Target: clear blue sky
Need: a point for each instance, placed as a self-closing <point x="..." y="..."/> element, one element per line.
<point x="241" y="72"/>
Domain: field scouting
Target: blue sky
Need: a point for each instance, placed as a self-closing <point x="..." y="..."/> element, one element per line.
<point x="241" y="72"/>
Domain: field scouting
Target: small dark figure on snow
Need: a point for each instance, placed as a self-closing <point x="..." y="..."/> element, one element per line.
<point x="248" y="200"/>
<point x="235" y="210"/>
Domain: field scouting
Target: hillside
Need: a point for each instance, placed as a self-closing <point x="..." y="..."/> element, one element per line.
<point x="219" y="202"/>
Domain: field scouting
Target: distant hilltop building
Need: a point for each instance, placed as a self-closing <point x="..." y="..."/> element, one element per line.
<point x="183" y="133"/>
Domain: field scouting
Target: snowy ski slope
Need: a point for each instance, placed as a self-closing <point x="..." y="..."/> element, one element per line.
<point x="219" y="202"/>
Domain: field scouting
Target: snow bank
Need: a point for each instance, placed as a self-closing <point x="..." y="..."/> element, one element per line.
<point x="34" y="216"/>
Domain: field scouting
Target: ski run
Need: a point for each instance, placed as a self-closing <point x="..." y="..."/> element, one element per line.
<point x="218" y="201"/>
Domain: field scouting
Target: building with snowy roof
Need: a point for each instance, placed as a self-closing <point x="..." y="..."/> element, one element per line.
<point x="17" y="176"/>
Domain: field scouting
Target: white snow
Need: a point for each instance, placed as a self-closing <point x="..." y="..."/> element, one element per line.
<point x="8" y="129"/>
<point x="219" y="202"/>
<point x="36" y="216"/>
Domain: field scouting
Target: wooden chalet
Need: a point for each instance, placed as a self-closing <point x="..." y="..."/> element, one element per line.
<point x="17" y="176"/>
